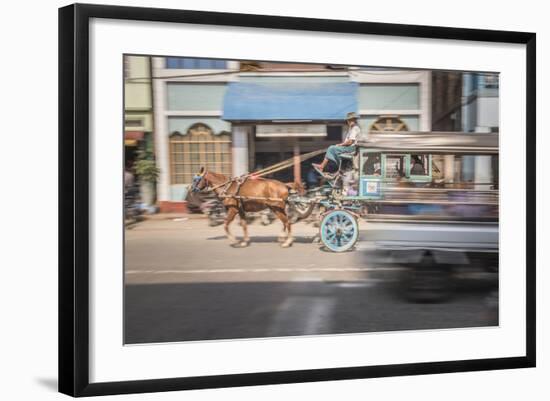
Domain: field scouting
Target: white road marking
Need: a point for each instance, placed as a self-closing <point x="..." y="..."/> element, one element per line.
<point x="319" y="316"/>
<point x="314" y="312"/>
<point x="265" y="270"/>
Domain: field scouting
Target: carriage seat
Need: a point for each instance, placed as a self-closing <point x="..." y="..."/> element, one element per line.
<point x="348" y="156"/>
<point x="353" y="156"/>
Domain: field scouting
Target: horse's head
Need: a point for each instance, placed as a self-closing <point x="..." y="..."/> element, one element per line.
<point x="199" y="181"/>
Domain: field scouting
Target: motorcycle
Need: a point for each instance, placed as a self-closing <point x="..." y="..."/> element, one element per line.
<point x="216" y="213"/>
<point x="132" y="206"/>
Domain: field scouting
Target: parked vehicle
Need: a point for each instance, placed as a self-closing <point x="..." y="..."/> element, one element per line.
<point x="196" y="200"/>
<point x="132" y="204"/>
<point x="215" y="211"/>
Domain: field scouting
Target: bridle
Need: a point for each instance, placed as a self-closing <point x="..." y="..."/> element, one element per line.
<point x="198" y="178"/>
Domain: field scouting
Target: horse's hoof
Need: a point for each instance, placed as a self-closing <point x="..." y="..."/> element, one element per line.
<point x="240" y="244"/>
<point x="286" y="244"/>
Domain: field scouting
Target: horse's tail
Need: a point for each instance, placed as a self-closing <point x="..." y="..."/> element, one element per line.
<point x="296" y="186"/>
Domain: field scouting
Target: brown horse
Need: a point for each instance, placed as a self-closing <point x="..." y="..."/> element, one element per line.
<point x="254" y="194"/>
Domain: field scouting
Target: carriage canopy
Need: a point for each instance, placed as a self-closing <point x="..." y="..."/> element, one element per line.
<point x="432" y="142"/>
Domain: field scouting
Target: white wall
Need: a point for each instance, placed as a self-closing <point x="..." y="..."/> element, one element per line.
<point x="29" y="219"/>
<point x="239" y="134"/>
<point x="422" y="78"/>
<point x="161" y="131"/>
<point x="487" y="111"/>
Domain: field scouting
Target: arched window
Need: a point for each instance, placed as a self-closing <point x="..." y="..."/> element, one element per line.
<point x="198" y="148"/>
<point x="389" y="123"/>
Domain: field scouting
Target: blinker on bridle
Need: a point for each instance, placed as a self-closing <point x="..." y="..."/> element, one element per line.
<point x="196" y="180"/>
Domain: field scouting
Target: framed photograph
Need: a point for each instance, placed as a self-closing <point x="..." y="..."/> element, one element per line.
<point x="252" y="199"/>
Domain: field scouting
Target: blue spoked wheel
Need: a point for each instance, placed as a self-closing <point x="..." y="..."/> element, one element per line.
<point x="339" y="231"/>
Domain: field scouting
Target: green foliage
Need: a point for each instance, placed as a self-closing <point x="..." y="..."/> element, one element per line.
<point x="146" y="168"/>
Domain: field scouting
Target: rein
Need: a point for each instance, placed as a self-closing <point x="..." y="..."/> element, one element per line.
<point x="271" y="169"/>
<point x="265" y="171"/>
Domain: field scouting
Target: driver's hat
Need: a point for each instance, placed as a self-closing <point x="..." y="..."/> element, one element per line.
<point x="352" y="116"/>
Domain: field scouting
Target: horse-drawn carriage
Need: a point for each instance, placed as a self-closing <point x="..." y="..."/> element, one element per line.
<point x="401" y="177"/>
<point x="397" y="176"/>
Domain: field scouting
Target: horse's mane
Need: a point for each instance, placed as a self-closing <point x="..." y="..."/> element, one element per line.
<point x="217" y="175"/>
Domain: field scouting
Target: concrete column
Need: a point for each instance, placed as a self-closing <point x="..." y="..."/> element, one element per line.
<point x="468" y="168"/>
<point x="483" y="172"/>
<point x="297" y="166"/>
<point x="161" y="131"/>
<point x="449" y="168"/>
<point x="466" y="88"/>
<point x="240" y="149"/>
<point x="425" y="122"/>
<point x="482" y="166"/>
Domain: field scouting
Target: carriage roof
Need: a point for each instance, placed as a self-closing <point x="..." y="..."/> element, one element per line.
<point x="431" y="142"/>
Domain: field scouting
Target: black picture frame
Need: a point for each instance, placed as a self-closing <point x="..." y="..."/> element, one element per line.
<point x="74" y="193"/>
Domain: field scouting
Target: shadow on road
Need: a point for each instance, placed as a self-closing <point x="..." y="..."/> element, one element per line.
<point x="267" y="239"/>
<point x="232" y="310"/>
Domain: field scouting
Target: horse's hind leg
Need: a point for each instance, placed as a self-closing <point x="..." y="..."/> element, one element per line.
<point x="280" y="213"/>
<point x="283" y="235"/>
<point x="231" y="213"/>
<point x="289" y="239"/>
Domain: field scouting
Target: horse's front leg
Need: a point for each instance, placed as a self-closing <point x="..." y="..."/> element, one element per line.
<point x="246" y="238"/>
<point x="231" y="213"/>
<point x="283" y="235"/>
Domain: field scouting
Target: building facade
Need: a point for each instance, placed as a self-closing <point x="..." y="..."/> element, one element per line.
<point x="138" y="107"/>
<point x="447" y="90"/>
<point x="467" y="102"/>
<point x="480" y="113"/>
<point x="189" y="131"/>
<point x="480" y="102"/>
<point x="236" y="117"/>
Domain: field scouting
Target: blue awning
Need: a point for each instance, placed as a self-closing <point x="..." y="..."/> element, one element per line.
<point x="276" y="101"/>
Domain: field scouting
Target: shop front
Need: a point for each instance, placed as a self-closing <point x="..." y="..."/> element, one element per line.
<point x="273" y="121"/>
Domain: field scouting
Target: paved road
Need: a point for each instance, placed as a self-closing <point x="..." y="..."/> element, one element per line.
<point x="184" y="282"/>
<point x="190" y="251"/>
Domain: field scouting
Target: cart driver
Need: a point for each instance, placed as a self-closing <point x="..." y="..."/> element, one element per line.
<point x="348" y="146"/>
